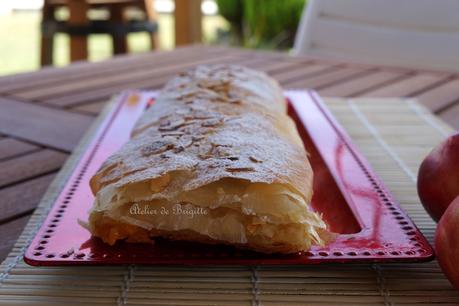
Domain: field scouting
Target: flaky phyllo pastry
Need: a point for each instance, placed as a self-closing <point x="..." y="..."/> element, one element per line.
<point x="216" y="159"/>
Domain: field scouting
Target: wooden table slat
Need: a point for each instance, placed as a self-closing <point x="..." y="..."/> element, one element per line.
<point x="10" y="147"/>
<point x="91" y="108"/>
<point x="39" y="124"/>
<point x="22" y="198"/>
<point x="10" y="232"/>
<point x="451" y="115"/>
<point x="409" y="86"/>
<point x="30" y="165"/>
<point x="304" y="71"/>
<point x="441" y="96"/>
<point x="278" y="67"/>
<point x="329" y="78"/>
<point x="359" y="85"/>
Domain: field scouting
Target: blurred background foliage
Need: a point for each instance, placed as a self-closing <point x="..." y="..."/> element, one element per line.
<point x="268" y="24"/>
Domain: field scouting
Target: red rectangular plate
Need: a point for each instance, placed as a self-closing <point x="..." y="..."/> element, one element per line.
<point x="353" y="200"/>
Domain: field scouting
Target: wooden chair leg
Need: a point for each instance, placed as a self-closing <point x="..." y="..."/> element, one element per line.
<point x="47" y="37"/>
<point x="155" y="41"/>
<point x="120" y="43"/>
<point x="152" y="16"/>
<point x="46" y="56"/>
<point x="78" y="16"/>
<point x="187" y="19"/>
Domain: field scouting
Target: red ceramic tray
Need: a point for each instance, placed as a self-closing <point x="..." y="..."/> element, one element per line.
<point x="352" y="199"/>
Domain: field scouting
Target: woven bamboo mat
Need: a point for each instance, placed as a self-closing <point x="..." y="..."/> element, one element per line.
<point x="394" y="134"/>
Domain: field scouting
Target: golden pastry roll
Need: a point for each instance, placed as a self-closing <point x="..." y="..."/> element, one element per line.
<point x="216" y="159"/>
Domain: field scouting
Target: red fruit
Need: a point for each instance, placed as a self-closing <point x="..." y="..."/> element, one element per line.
<point x="438" y="177"/>
<point x="447" y="243"/>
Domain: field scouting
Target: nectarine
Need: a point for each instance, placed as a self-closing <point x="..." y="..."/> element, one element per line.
<point x="447" y="243"/>
<point x="438" y="177"/>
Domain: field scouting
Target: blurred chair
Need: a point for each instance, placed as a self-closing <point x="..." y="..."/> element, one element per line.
<point x="409" y="33"/>
<point x="80" y="24"/>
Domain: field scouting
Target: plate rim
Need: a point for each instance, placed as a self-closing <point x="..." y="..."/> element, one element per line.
<point x="314" y="258"/>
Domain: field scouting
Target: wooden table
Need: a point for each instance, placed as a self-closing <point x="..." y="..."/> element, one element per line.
<point x="44" y="113"/>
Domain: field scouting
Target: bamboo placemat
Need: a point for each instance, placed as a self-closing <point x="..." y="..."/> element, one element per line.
<point x="394" y="134"/>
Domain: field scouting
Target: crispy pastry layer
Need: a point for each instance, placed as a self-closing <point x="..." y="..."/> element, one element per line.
<point x="217" y="139"/>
